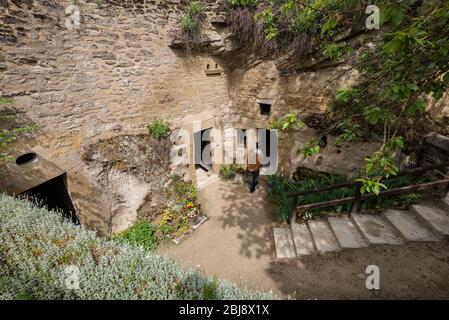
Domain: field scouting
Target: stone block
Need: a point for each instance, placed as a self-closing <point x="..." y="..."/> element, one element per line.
<point x="409" y="226"/>
<point x="434" y="217"/>
<point x="283" y="242"/>
<point x="323" y="238"/>
<point x="302" y="239"/>
<point x="346" y="233"/>
<point x="375" y="229"/>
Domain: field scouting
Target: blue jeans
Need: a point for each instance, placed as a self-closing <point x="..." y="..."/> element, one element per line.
<point x="255" y="180"/>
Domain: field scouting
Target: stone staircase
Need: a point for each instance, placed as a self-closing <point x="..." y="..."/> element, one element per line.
<point x="426" y="222"/>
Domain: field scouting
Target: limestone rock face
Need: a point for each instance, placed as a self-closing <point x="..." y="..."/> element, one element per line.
<point x="107" y="78"/>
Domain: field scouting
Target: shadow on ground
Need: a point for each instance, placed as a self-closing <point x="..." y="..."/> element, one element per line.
<point x="251" y="214"/>
<point x="411" y="271"/>
<point x="236" y="243"/>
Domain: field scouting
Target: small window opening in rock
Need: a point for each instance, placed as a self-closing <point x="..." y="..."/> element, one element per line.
<point x="26" y="158"/>
<point x="208" y="66"/>
<point x="216" y="66"/>
<point x="323" y="141"/>
<point x="265" y="109"/>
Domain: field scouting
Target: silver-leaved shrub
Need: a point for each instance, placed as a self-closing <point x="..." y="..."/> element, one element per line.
<point x="37" y="246"/>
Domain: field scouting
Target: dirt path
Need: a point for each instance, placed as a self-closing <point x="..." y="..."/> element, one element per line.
<point x="236" y="244"/>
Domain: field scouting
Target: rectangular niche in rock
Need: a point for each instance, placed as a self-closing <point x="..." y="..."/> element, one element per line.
<point x="213" y="69"/>
<point x="264" y="107"/>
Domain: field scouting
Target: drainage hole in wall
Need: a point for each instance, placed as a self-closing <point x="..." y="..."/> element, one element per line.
<point x="26" y="158"/>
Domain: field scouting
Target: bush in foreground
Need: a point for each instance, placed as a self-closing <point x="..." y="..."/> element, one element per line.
<point x="37" y="246"/>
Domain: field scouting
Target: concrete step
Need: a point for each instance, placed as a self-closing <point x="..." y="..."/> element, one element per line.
<point x="434" y="217"/>
<point x="445" y="204"/>
<point x="323" y="238"/>
<point x="408" y="225"/>
<point x="283" y="243"/>
<point x="302" y="239"/>
<point x="375" y="229"/>
<point x="346" y="233"/>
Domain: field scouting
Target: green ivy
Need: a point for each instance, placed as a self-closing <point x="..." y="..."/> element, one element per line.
<point x="408" y="63"/>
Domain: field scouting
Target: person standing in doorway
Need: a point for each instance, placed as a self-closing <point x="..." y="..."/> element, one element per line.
<point x="253" y="164"/>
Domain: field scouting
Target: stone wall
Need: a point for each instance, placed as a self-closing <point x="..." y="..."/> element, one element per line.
<point x="108" y="78"/>
<point x="305" y="93"/>
<point x="121" y="69"/>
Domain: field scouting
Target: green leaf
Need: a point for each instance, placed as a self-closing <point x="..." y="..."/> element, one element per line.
<point x="391" y="13"/>
<point x="438" y="93"/>
<point x="418" y="106"/>
<point x="393" y="46"/>
<point x="374" y="115"/>
<point x="328" y="26"/>
<point x="396" y="17"/>
<point x="412" y="87"/>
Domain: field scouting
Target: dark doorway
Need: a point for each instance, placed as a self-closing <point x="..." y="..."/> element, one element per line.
<point x="203" y="155"/>
<point x="54" y="195"/>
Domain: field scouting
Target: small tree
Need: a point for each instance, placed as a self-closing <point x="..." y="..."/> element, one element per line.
<point x="399" y="71"/>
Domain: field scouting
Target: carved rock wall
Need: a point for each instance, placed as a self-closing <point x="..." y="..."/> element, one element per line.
<point x="304" y="93"/>
<point x="109" y="77"/>
<point x="117" y="72"/>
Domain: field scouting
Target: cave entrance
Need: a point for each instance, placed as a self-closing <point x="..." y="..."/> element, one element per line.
<point x="55" y="196"/>
<point x="32" y="176"/>
<point x="203" y="152"/>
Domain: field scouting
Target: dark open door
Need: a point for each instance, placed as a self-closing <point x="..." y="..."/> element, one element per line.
<point x="203" y="157"/>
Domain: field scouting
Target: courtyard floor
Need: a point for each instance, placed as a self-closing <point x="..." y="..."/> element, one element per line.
<point x="235" y="243"/>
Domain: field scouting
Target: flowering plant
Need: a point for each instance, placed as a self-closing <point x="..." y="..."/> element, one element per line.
<point x="190" y="205"/>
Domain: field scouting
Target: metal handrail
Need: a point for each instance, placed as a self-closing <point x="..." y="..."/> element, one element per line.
<point x="358" y="196"/>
